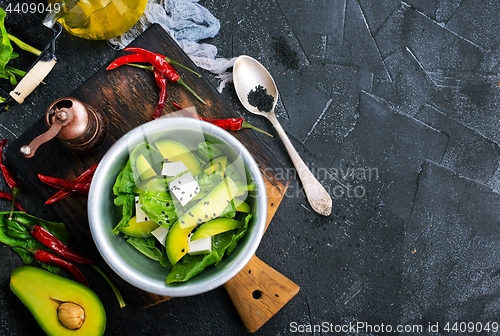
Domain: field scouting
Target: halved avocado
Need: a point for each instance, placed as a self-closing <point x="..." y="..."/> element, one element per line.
<point x="210" y="206"/>
<point x="216" y="165"/>
<point x="175" y="151"/>
<point x="43" y="293"/>
<point x="216" y="226"/>
<point x="139" y="229"/>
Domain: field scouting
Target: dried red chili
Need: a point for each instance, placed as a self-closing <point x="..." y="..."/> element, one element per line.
<point x="76" y="186"/>
<point x="53" y="260"/>
<point x="161" y="81"/>
<point x="231" y="124"/>
<point x="86" y="176"/>
<point x="9" y="197"/>
<point x="164" y="68"/>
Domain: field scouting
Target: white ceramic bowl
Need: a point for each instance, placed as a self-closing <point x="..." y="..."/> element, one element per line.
<point x="130" y="264"/>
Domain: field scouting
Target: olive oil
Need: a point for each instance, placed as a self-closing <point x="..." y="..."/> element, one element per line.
<point x="99" y="19"/>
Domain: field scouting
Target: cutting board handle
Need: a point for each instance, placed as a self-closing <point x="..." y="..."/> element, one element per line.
<point x="258" y="292"/>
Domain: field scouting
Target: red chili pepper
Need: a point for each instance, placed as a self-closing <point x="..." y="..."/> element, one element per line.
<point x="163" y="67"/>
<point x="136" y="58"/>
<point x="49" y="240"/>
<point x="53" y="260"/>
<point x="9" y="176"/>
<point x="132" y="58"/>
<point x="9" y="197"/>
<point x="86" y="176"/>
<point x="161" y="81"/>
<point x="231" y="124"/>
<point x="76" y="186"/>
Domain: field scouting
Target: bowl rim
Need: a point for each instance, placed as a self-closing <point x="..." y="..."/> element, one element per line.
<point x="97" y="187"/>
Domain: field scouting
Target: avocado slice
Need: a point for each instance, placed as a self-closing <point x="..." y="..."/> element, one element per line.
<point x="175" y="151"/>
<point x="210" y="206"/>
<point x="145" y="160"/>
<point x="216" y="226"/>
<point x="242" y="206"/>
<point x="217" y="164"/>
<point x="177" y="242"/>
<point x="144" y="169"/>
<point x="44" y="293"/>
<point x="139" y="229"/>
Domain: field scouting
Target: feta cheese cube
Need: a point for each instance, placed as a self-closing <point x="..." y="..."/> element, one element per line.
<point x="200" y="246"/>
<point x="161" y="234"/>
<point x="139" y="213"/>
<point x="173" y="168"/>
<point x="184" y="188"/>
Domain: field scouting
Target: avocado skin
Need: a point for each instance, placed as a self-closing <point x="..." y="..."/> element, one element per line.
<point x="42" y="292"/>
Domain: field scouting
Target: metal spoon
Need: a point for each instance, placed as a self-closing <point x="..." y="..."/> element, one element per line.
<point x="248" y="73"/>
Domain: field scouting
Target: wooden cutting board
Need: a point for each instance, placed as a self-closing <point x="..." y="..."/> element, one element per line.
<point x="128" y="96"/>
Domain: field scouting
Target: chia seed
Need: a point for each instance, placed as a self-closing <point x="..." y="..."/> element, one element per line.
<point x="260" y="99"/>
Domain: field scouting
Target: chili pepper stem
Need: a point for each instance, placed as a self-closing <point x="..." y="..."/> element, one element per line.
<point x="181" y="81"/>
<point x="14" y="194"/>
<point x="115" y="290"/>
<point x="150" y="67"/>
<point x="248" y="125"/>
<point x="147" y="67"/>
<point x="169" y="60"/>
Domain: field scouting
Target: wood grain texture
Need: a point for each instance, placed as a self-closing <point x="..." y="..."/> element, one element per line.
<point x="258" y="292"/>
<point x="127" y="96"/>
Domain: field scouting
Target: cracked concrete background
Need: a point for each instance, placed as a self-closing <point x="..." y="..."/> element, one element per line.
<point x="394" y="106"/>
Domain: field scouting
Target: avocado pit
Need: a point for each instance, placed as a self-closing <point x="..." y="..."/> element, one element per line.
<point x="71" y="315"/>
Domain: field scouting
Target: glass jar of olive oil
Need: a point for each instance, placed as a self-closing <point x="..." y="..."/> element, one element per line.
<point x="96" y="19"/>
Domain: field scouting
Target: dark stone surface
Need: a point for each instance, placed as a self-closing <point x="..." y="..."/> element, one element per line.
<point x="394" y="102"/>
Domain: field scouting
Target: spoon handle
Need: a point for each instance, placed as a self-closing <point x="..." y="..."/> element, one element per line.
<point x="318" y="197"/>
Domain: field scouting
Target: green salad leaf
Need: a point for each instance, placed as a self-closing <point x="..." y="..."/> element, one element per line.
<point x="19" y="237"/>
<point x="146" y="246"/>
<point x="207" y="151"/>
<point x="164" y="209"/>
<point x="190" y="265"/>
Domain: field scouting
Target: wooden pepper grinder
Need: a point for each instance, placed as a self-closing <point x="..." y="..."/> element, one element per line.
<point x="78" y="126"/>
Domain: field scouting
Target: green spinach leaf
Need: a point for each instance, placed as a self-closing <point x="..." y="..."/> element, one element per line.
<point x="20" y="239"/>
<point x="146" y="246"/>
<point x="189" y="265"/>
